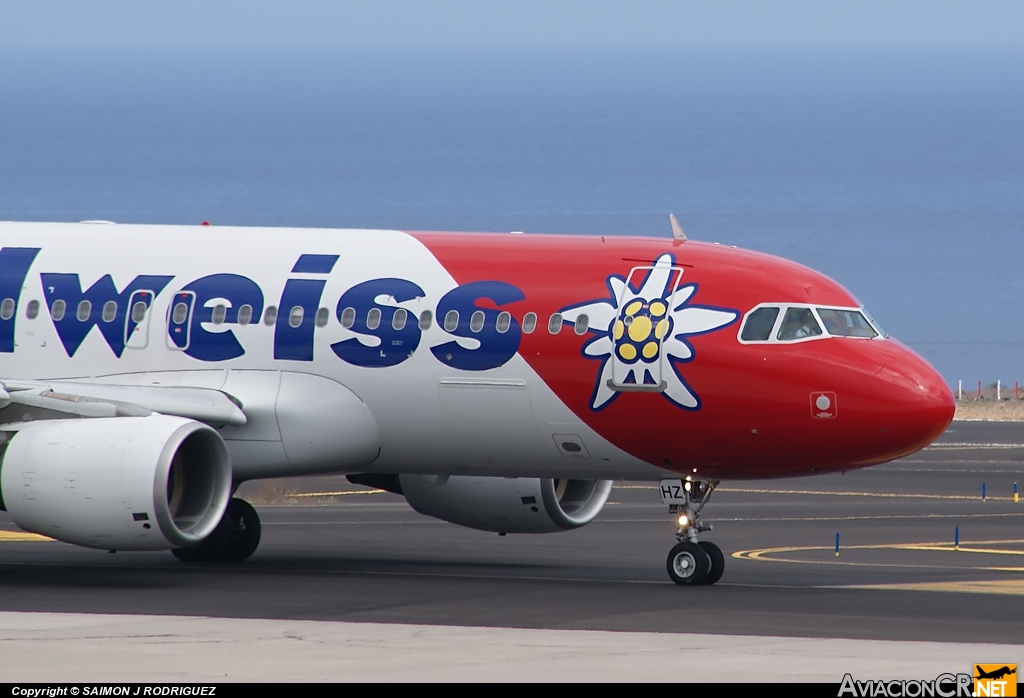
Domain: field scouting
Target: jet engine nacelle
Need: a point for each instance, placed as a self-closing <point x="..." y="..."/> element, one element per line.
<point x="122" y="483"/>
<point x="503" y="505"/>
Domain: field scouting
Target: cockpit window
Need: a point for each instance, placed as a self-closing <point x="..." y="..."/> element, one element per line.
<point x="759" y="324"/>
<point x="845" y="323"/>
<point x="798" y="323"/>
<point x="874" y="323"/>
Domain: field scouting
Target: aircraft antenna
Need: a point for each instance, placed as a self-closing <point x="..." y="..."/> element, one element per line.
<point x="677" y="230"/>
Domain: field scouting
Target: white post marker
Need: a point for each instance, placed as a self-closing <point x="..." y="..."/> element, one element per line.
<point x="999" y="390"/>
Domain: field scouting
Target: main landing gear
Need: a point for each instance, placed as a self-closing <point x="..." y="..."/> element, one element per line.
<point x="236" y="537"/>
<point x="691" y="562"/>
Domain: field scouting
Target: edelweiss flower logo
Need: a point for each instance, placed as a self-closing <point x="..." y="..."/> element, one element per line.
<point x="637" y="328"/>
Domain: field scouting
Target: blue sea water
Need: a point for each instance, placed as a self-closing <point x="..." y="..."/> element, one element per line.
<point x="897" y="171"/>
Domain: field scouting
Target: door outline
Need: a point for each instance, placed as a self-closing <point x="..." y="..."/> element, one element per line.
<point x="178" y="334"/>
<point x="136" y="334"/>
<point x="622" y="369"/>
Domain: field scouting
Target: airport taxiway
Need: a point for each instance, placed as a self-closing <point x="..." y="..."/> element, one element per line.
<point x="370" y="559"/>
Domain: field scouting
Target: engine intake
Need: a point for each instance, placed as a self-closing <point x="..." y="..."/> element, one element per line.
<point x="124" y="483"/>
<point x="503" y="505"/>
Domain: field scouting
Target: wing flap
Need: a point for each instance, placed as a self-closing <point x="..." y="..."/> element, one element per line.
<point x="104" y="400"/>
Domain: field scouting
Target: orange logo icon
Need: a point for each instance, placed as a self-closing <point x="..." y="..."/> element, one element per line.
<point x="995" y="680"/>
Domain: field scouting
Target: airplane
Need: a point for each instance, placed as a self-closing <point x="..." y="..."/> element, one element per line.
<point x="498" y="381"/>
<point x="995" y="674"/>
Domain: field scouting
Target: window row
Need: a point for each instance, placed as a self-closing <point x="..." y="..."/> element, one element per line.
<point x="789" y="323"/>
<point x="450" y="322"/>
<point x="219" y="314"/>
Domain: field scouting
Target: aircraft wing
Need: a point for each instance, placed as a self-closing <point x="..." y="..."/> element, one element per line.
<point x="213" y="407"/>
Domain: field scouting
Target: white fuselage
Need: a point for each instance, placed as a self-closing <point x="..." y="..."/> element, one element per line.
<point x="309" y="409"/>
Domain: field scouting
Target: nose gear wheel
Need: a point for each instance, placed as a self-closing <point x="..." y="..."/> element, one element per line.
<point x="692" y="562"/>
<point x="688" y="564"/>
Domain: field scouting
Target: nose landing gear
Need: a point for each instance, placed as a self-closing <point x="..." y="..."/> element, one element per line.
<point x="691" y="562"/>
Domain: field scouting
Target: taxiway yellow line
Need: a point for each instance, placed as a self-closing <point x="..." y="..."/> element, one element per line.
<point x="22" y="537"/>
<point x="831" y="493"/>
<point x="768" y="554"/>
<point x="332" y="494"/>
<point x="1006" y="587"/>
<point x="834" y="493"/>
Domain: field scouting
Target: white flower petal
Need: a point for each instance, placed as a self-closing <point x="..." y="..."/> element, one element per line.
<point x="599" y="314"/>
<point x="603" y="394"/>
<point x="602" y="346"/>
<point x="683" y="294"/>
<point x="697" y="320"/>
<point x="658" y="278"/>
<point x="677" y="392"/>
<point x="677" y="348"/>
<point x="617" y="285"/>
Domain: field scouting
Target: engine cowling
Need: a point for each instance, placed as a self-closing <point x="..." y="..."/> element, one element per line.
<point x="503" y="505"/>
<point x="123" y="483"/>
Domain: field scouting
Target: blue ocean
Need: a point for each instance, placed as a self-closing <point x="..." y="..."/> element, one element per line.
<point x="897" y="171"/>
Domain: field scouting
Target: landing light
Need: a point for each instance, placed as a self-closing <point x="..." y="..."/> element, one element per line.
<point x="683" y="521"/>
<point x="687" y="486"/>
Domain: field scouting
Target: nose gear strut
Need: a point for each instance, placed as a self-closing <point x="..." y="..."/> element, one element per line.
<point x="691" y="562"/>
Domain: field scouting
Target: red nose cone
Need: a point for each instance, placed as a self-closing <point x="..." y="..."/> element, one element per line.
<point x="918" y="402"/>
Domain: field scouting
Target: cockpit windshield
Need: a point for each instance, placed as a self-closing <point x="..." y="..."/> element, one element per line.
<point x="759" y="324"/>
<point x="846" y="323"/>
<point x="798" y="324"/>
<point x="773" y="323"/>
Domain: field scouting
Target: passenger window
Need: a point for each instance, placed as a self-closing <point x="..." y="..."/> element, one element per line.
<point x="57" y="310"/>
<point x="109" y="311"/>
<point x="759" y="324"/>
<point x="84" y="311"/>
<point x="32" y="310"/>
<point x="555" y="323"/>
<point x="529" y="323"/>
<point x="503" y="322"/>
<point x="476" y="321"/>
<point x="451" y="320"/>
<point x="845" y="323"/>
<point x="180" y="313"/>
<point x="426" y="320"/>
<point x="270" y="316"/>
<point x="582" y="324"/>
<point x="400" y="318"/>
<point x="798" y="323"/>
<point x="373" y="319"/>
<point x="295" y="316"/>
<point x="219" y="314"/>
<point x="245" y="314"/>
<point x="139" y="312"/>
<point x="322" y="316"/>
<point x="7" y="309"/>
<point x="348" y="317"/>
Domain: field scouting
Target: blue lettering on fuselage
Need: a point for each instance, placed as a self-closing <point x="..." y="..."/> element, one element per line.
<point x="221" y="345"/>
<point x="392" y="341"/>
<point x="86" y="309"/>
<point x="496" y="347"/>
<point x="300" y="301"/>
<point x="14" y="265"/>
<point x="387" y="334"/>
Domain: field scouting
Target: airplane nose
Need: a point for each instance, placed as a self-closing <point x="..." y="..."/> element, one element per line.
<point x="917" y="403"/>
